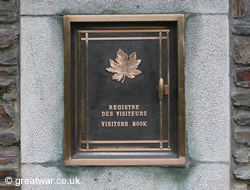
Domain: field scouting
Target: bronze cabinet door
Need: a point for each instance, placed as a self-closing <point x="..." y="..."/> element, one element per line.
<point x="124" y="90"/>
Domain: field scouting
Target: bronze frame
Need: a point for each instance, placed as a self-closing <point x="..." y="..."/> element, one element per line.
<point x="179" y="18"/>
<point x="161" y="140"/>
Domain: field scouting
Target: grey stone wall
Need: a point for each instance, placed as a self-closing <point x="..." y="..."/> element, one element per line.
<point x="9" y="91"/>
<point x="240" y="93"/>
<point x="207" y="97"/>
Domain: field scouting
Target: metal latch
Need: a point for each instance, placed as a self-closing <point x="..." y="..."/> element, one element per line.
<point x="163" y="89"/>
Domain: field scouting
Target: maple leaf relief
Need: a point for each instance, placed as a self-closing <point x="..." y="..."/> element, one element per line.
<point x="124" y="66"/>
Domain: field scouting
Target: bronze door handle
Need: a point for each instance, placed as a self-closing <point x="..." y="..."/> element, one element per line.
<point x="163" y="89"/>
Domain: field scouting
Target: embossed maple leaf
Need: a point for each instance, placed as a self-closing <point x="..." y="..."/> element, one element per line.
<point x="124" y="66"/>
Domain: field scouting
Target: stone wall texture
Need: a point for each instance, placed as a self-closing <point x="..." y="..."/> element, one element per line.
<point x="240" y="93"/>
<point x="207" y="85"/>
<point x="9" y="92"/>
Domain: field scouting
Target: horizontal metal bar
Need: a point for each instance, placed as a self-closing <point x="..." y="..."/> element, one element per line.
<point x="127" y="28"/>
<point x="124" y="18"/>
<point x="121" y="31"/>
<point x="127" y="162"/>
<point x="126" y="142"/>
<point x="123" y="149"/>
<point x="126" y="38"/>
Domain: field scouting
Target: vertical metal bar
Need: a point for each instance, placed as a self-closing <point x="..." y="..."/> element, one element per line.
<point x="86" y="91"/>
<point x="79" y="91"/>
<point x="181" y="88"/>
<point x="67" y="91"/>
<point x="168" y="54"/>
<point x="75" y="97"/>
<point x="160" y="59"/>
<point x="160" y="52"/>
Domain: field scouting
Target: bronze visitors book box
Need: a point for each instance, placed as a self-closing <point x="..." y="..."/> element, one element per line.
<point x="124" y="90"/>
